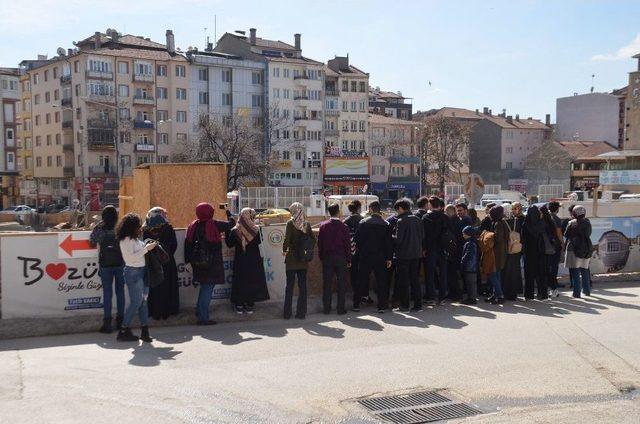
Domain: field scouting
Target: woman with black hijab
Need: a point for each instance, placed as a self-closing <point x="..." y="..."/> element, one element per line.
<point x="535" y="274"/>
<point x="512" y="272"/>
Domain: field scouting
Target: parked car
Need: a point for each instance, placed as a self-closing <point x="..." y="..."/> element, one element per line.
<point x="273" y="216"/>
<point x="18" y="210"/>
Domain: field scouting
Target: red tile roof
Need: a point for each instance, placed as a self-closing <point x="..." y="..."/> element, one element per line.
<point x="586" y="149"/>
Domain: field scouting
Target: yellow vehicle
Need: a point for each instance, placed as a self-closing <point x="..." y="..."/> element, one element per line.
<point x="273" y="216"/>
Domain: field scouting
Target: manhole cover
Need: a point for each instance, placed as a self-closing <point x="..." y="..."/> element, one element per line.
<point x="415" y="408"/>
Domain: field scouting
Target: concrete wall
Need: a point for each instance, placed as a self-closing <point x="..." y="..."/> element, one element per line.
<point x="592" y="116"/>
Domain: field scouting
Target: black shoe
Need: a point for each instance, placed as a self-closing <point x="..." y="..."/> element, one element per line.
<point x="119" y="322"/>
<point x="300" y="317"/>
<point x="490" y="299"/>
<point x="248" y="310"/>
<point x="125" y="335"/>
<point x="577" y="296"/>
<point x="343" y="312"/>
<point x="239" y="310"/>
<point x="469" y="302"/>
<point x="587" y="293"/>
<point x="381" y="310"/>
<point x="210" y="322"/>
<point x="367" y="300"/>
<point x="144" y="336"/>
<point x="494" y="301"/>
<point x="356" y="309"/>
<point x="500" y="300"/>
<point x="106" y="326"/>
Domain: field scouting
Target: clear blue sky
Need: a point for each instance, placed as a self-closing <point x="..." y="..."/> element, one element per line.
<point x="518" y="55"/>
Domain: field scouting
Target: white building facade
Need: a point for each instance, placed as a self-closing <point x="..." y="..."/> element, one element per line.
<point x="588" y="117"/>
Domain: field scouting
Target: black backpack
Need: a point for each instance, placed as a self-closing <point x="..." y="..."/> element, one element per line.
<point x="306" y="244"/>
<point x="110" y="254"/>
<point x="201" y="254"/>
<point x="448" y="242"/>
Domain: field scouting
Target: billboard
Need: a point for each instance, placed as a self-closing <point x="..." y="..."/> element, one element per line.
<point x="346" y="166"/>
<point x="629" y="177"/>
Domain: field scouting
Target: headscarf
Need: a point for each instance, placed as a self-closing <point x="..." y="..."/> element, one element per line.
<point x="298" y="216"/>
<point x="109" y="217"/>
<point x="579" y="211"/>
<point x="496" y="213"/>
<point x="506" y="209"/>
<point x="204" y="213"/>
<point x="156" y="217"/>
<point x="246" y="227"/>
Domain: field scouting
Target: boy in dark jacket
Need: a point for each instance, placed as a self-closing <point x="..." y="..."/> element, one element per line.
<point x="469" y="265"/>
<point x="435" y="224"/>
<point x="334" y="251"/>
<point x="408" y="247"/>
<point x="375" y="250"/>
<point x="352" y="221"/>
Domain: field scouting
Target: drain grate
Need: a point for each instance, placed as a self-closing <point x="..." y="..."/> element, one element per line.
<point x="415" y="408"/>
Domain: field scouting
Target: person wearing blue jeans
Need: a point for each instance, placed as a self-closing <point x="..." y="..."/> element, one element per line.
<point x="435" y="259"/>
<point x="109" y="275"/>
<point x="138" y="294"/>
<point x="204" y="300"/>
<point x="496" y="284"/>
<point x="581" y="279"/>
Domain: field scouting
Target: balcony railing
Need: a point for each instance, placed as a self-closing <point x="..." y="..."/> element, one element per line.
<point x="101" y="171"/>
<point x="331" y="133"/>
<point x="101" y="98"/>
<point x="143" y="77"/>
<point x="99" y="74"/>
<point x="404" y="159"/>
<point x="314" y="163"/>
<point x="66" y="102"/>
<point x="301" y="77"/>
<point x="101" y="123"/>
<point x="138" y="124"/>
<point x="67" y="124"/>
<point x="104" y="144"/>
<point x="68" y="171"/>
<point x="145" y="148"/>
<point x="65" y="79"/>
<point x="143" y="100"/>
<point x="331" y="112"/>
<point x="67" y="147"/>
<point x="331" y="93"/>
<point x="301" y="97"/>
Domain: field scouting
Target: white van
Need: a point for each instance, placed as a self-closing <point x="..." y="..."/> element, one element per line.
<point x="344" y="200"/>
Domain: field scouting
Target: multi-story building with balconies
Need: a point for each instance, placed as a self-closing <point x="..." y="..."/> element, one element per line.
<point x="102" y="108"/>
<point x="390" y="104"/>
<point x="10" y="102"/>
<point x="346" y="123"/>
<point x="294" y="87"/>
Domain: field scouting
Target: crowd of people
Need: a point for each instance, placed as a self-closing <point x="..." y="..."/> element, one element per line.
<point x="437" y="253"/>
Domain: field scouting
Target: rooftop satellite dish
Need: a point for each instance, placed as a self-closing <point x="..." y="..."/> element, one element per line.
<point x="60" y="51"/>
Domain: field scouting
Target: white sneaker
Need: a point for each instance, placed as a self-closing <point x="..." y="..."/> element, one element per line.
<point x="555" y="293"/>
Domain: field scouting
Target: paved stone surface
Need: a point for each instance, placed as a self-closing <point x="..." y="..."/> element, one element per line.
<point x="567" y="360"/>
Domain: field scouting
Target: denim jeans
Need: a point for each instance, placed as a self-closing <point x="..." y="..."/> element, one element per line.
<point x="471" y="284"/>
<point x="107" y="276"/>
<point x="580" y="278"/>
<point x="138" y="294"/>
<point x="301" y="307"/>
<point x="435" y="259"/>
<point x="494" y="280"/>
<point x="204" y="300"/>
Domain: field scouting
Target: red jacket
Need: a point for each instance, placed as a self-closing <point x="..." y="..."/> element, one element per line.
<point x="334" y="240"/>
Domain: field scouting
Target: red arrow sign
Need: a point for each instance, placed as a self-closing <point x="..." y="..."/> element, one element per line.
<point x="69" y="245"/>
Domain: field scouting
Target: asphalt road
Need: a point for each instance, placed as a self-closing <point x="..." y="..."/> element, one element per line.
<point x="567" y="360"/>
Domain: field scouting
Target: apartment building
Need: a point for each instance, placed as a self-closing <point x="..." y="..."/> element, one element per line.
<point x="98" y="110"/>
<point x="632" y="137"/>
<point x="346" y="126"/>
<point x="395" y="158"/>
<point x="588" y="117"/>
<point x="388" y="103"/>
<point x="294" y="87"/>
<point x="500" y="144"/>
<point x="10" y="102"/>
<point x="223" y="85"/>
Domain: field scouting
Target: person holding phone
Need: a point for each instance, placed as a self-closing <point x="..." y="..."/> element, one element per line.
<point x="133" y="251"/>
<point x="203" y="255"/>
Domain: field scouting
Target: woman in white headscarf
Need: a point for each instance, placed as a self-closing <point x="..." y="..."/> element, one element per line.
<point x="579" y="251"/>
<point x="297" y="248"/>
<point x="249" y="283"/>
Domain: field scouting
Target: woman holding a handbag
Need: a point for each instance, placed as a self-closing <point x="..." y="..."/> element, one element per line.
<point x="511" y="274"/>
<point x="297" y="248"/>
<point x="249" y="282"/>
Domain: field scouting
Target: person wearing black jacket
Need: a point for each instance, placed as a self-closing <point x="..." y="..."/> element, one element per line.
<point x="579" y="251"/>
<point x="435" y="223"/>
<point x="352" y="222"/>
<point x="374" y="244"/>
<point x="408" y="248"/>
<point x="535" y="264"/>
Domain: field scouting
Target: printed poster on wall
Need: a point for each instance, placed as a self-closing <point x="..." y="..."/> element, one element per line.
<point x="56" y="274"/>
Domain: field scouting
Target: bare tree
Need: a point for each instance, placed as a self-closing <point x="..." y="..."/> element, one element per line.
<point x="547" y="158"/>
<point x="445" y="147"/>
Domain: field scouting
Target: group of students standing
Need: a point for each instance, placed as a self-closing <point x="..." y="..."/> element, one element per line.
<point x="140" y="256"/>
<point x="458" y="253"/>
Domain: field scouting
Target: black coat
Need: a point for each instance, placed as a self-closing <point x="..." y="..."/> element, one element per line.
<point x="374" y="240"/>
<point x="164" y="300"/>
<point x="214" y="273"/>
<point x="249" y="282"/>
<point x="435" y="223"/>
<point x="409" y="237"/>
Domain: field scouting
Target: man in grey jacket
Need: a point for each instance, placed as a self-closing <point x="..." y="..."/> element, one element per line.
<point x="408" y="247"/>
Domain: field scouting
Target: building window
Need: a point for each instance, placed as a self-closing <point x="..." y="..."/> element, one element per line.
<point x="276" y="72"/>
<point x="363" y="87"/>
<point x="345" y="106"/>
<point x="180" y="71"/>
<point x="181" y="116"/>
<point x="285" y="155"/>
<point x="508" y="165"/>
<point x="162" y="92"/>
<point x="203" y="74"/>
<point x="203" y="98"/>
<point x="354" y="86"/>
<point x="256" y="100"/>
<point x="298" y="155"/>
<point x="353" y="106"/>
<point x="181" y="93"/>
<point x="123" y="67"/>
<point x="345" y="125"/>
<point x="162" y="115"/>
<point x="58" y="139"/>
<point x="286" y="93"/>
<point x="56" y="117"/>
<point x="58" y="161"/>
<point x="161" y="70"/>
<point x="164" y="138"/>
<point x="226" y="99"/>
<point x="363" y="106"/>
<point x="256" y="78"/>
<point x="286" y="73"/>
<point x="37" y="120"/>
<point x="49" y="161"/>
<point x="38" y="161"/>
<point x="56" y="94"/>
<point x="124" y="113"/>
<point x="36" y="99"/>
<point x="362" y="126"/>
<point x="123" y="90"/>
<point x="509" y="150"/>
<point x="354" y="126"/>
<point x="276" y="93"/>
<point x="345" y="86"/>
